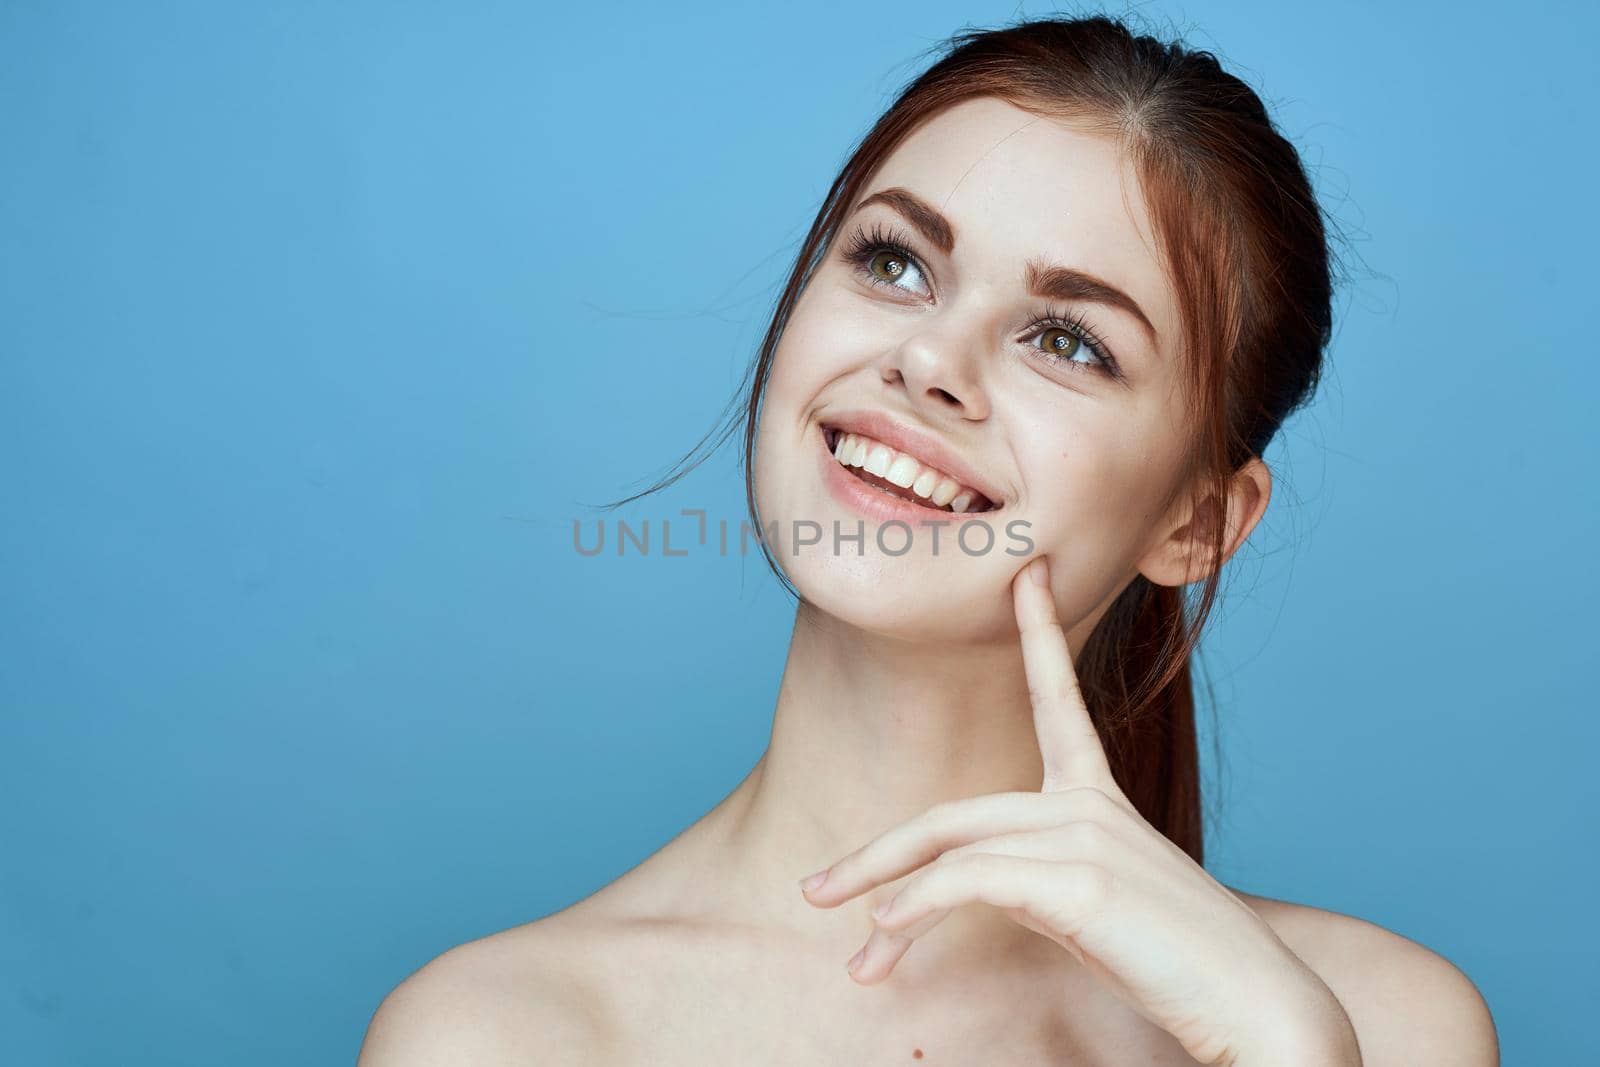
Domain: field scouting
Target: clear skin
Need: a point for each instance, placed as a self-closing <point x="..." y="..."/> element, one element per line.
<point x="1088" y="461"/>
<point x="1037" y="918"/>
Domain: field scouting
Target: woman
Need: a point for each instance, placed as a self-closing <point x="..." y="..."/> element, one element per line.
<point x="1054" y="308"/>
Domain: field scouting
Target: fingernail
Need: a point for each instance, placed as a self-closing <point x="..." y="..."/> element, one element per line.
<point x="855" y="961"/>
<point x="811" y="881"/>
<point x="1039" y="574"/>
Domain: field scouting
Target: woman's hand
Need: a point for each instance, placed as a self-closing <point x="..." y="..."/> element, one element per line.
<point x="1078" y="864"/>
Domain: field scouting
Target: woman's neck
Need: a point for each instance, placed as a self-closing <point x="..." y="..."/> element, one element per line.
<point x="868" y="733"/>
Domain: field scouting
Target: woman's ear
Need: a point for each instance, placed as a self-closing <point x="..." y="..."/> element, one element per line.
<point x="1182" y="553"/>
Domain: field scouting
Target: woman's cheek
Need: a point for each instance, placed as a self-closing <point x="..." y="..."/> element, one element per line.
<point x="1088" y="522"/>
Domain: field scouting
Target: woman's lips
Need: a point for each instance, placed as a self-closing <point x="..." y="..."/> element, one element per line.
<point x="878" y="504"/>
<point x="899" y="444"/>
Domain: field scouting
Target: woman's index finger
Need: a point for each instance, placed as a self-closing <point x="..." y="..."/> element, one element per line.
<point x="1068" y="741"/>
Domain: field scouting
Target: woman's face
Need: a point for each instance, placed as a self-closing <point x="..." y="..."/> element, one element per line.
<point x="979" y="344"/>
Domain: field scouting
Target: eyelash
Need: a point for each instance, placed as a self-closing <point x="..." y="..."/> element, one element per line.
<point x="863" y="245"/>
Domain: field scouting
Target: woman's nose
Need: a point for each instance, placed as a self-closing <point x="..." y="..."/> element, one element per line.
<point x="941" y="373"/>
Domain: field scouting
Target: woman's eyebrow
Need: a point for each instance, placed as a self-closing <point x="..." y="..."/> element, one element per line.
<point x="921" y="214"/>
<point x="1045" y="279"/>
<point x="1055" y="282"/>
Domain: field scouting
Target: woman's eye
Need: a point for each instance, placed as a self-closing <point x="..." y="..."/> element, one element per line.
<point x="1061" y="345"/>
<point x="888" y="267"/>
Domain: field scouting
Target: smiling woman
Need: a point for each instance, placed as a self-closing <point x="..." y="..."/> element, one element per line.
<point x="1054" y="307"/>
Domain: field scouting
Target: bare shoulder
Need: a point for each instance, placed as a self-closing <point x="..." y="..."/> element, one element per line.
<point x="1408" y="1004"/>
<point x="523" y="995"/>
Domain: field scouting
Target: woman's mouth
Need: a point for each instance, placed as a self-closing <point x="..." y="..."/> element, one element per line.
<point x="901" y="475"/>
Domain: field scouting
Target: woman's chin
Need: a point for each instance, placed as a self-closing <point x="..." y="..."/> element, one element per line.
<point x="933" y="600"/>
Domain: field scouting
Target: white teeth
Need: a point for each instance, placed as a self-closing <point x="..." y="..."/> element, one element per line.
<point x="903" y="470"/>
<point x="877" y="461"/>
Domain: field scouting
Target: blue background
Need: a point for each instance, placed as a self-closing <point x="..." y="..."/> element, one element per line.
<point x="317" y="322"/>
